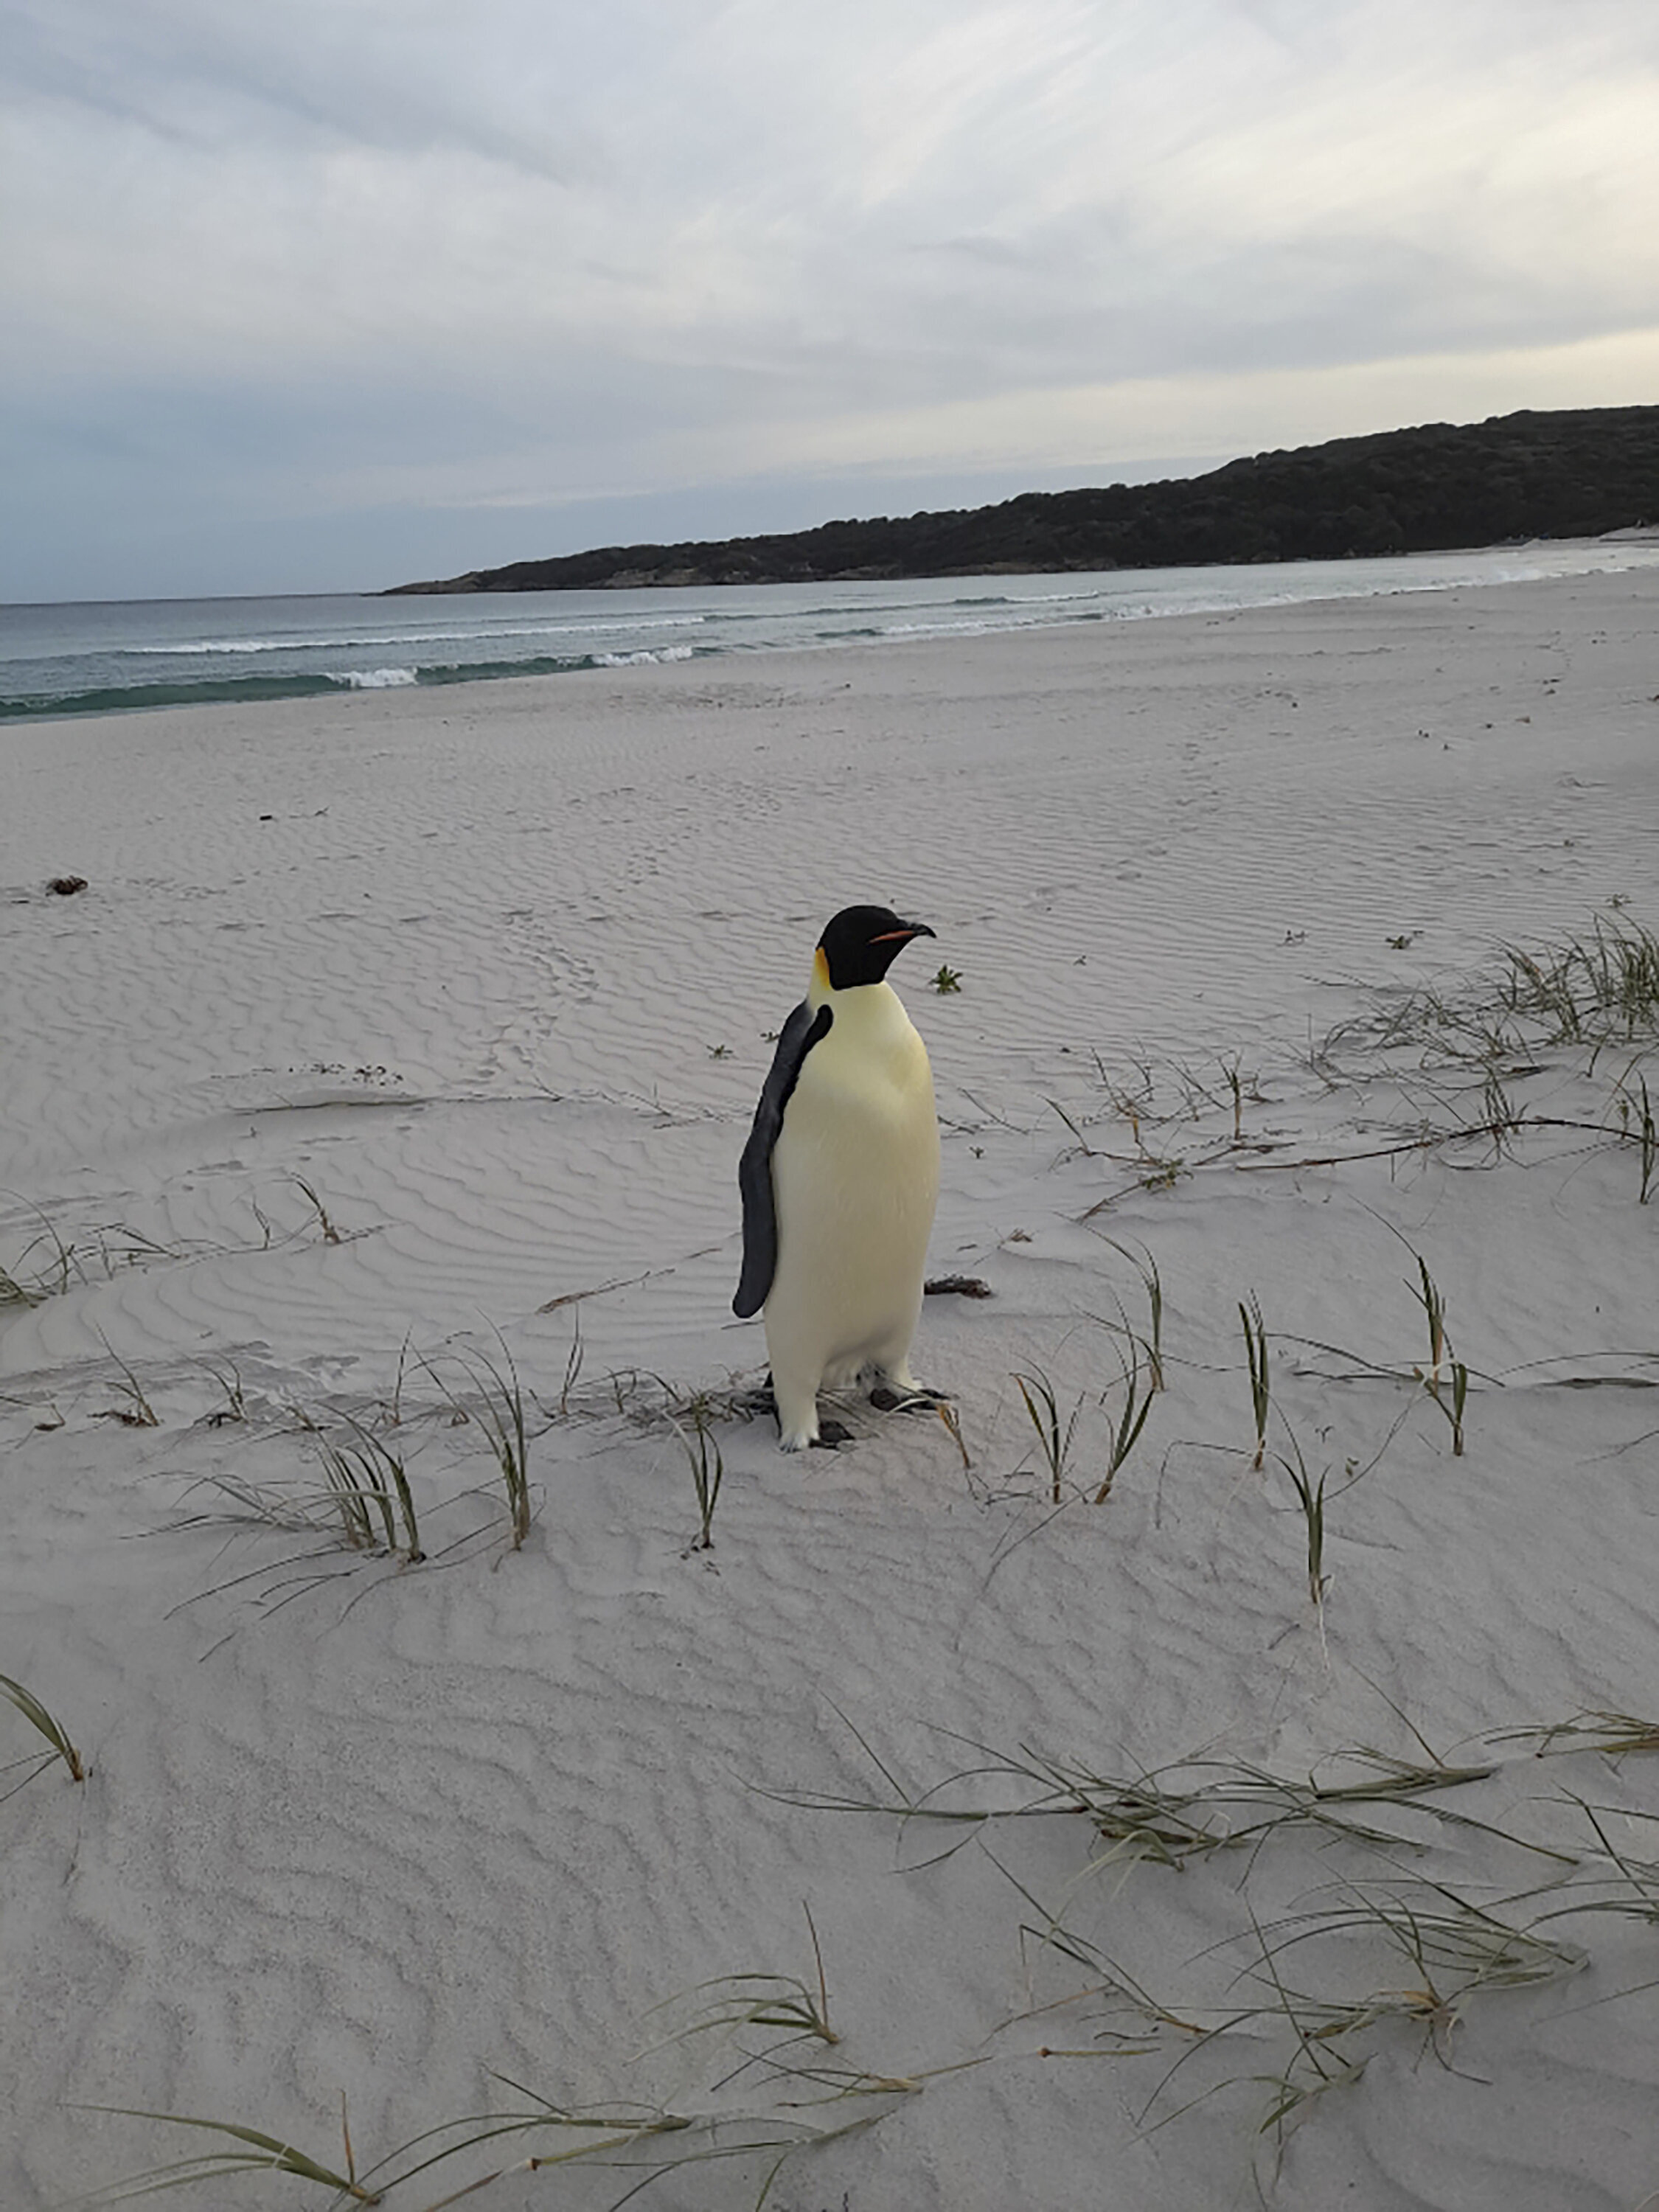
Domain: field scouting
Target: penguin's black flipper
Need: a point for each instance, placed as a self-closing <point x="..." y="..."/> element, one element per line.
<point x="760" y="1214"/>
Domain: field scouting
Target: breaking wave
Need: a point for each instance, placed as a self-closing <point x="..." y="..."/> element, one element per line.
<point x="229" y="691"/>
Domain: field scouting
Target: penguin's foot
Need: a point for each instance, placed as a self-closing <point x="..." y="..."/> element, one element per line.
<point x="830" y="1434"/>
<point x="797" y="1412"/>
<point x="916" y="1400"/>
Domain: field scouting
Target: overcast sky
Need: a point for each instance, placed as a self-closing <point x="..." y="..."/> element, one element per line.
<point x="317" y="295"/>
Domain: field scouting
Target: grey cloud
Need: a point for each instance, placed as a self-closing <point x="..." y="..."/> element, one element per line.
<point x="329" y="249"/>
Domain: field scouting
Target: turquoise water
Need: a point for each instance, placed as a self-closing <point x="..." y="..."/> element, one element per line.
<point x="103" y="657"/>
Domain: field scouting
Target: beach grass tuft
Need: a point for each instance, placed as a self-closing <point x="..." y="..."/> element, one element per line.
<point x="1452" y="1948"/>
<point x="1635" y="1106"/>
<point x="572" y="1365"/>
<point x="1181" y="1812"/>
<point x="1053" y="1435"/>
<point x="1256" y="1356"/>
<point x="1311" y="1499"/>
<point x="1594" y="991"/>
<point x="369" y="1486"/>
<point x="50" y="1278"/>
<point x="256" y="2152"/>
<point x="1152" y="1284"/>
<point x="1123" y="1432"/>
<point x="1615" y="1734"/>
<point x="46" y="1724"/>
<point x="137" y="1412"/>
<point x="229" y="1379"/>
<point x="780" y="2001"/>
<point x="1083" y="1145"/>
<point x="702" y="1452"/>
<point x="1449" y="1391"/>
<point x="330" y="1233"/>
<point x="501" y="1416"/>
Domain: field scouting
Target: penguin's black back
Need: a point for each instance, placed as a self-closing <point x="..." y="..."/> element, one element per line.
<point x="800" y="1034"/>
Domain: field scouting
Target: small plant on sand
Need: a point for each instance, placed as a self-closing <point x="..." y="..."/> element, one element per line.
<point x="1310" y="1499"/>
<point x="1256" y="1353"/>
<point x="1178" y="1813"/>
<point x="1453" y="1950"/>
<point x="946" y="980"/>
<point x="28" y="1280"/>
<point x="1428" y="1295"/>
<point x="137" y="1412"/>
<point x="256" y="2152"/>
<point x="572" y="1365"/>
<point x="44" y="1725"/>
<point x="1617" y="1735"/>
<point x="1083" y="1143"/>
<point x="702" y="1451"/>
<point x="1124" y="1432"/>
<point x="762" y="2001"/>
<point x="500" y="1414"/>
<point x="952" y="1421"/>
<point x="1153" y="1284"/>
<point x="1131" y="1104"/>
<point x="235" y="1406"/>
<point x="368" y="1483"/>
<point x="1232" y="1074"/>
<point x="1326" y="1985"/>
<point x="1449" y="1391"/>
<point x="331" y="1235"/>
<point x="1501" y="1119"/>
<point x="1453" y="1402"/>
<point x="1054" y="1436"/>
<point x="1633" y="1106"/>
<point x="1595" y="991"/>
<point x="352" y="1492"/>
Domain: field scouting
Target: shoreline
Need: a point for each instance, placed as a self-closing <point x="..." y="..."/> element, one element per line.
<point x="580" y="634"/>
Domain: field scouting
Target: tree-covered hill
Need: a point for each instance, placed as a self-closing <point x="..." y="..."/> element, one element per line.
<point x="1572" y="473"/>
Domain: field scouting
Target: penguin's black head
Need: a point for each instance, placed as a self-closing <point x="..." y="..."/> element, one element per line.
<point x="861" y="944"/>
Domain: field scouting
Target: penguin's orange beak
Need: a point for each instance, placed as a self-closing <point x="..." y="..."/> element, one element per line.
<point x="902" y="936"/>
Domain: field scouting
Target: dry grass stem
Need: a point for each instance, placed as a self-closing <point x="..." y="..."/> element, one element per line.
<point x="331" y="1235"/>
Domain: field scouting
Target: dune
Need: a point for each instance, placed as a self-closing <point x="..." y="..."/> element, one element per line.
<point x="386" y="1082"/>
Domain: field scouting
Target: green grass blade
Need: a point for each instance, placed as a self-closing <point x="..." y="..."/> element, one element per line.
<point x="39" y="1718"/>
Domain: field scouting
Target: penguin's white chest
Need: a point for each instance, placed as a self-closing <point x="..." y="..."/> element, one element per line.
<point x="855" y="1175"/>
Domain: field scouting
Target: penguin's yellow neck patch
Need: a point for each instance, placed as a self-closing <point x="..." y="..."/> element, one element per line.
<point x="820" y="969"/>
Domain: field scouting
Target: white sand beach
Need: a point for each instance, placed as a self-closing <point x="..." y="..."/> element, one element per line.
<point x="406" y="1040"/>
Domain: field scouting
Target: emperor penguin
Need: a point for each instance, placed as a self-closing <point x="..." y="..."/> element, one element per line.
<point x="840" y="1178"/>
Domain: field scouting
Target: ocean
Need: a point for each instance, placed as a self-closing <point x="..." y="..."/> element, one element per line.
<point x="102" y="657"/>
